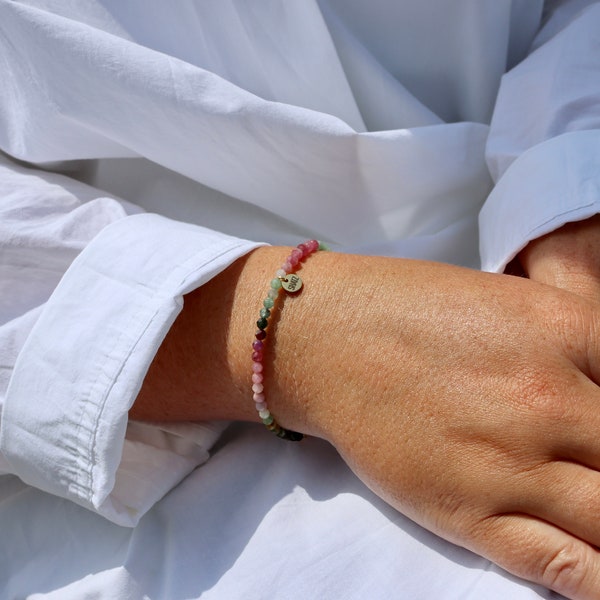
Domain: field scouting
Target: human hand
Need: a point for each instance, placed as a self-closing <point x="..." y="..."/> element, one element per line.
<point x="466" y="400"/>
<point x="568" y="258"/>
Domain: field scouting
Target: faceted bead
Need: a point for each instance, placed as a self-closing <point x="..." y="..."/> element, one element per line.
<point x="258" y="397"/>
<point x="261" y="334"/>
<point x="268" y="303"/>
<point x="304" y="249"/>
<point x="257" y="355"/>
<point x="257" y="377"/>
<point x="295" y="257"/>
<point x="276" y="283"/>
<point x="265" y="312"/>
<point x="263" y="414"/>
<point x="257" y="367"/>
<point x="291" y="436"/>
<point x="287" y="266"/>
<point x="312" y="245"/>
<point x="258" y="345"/>
<point x="262" y="323"/>
<point x="257" y="388"/>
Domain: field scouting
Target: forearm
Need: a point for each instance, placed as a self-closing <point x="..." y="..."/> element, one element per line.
<point x="197" y="372"/>
<point x="203" y="369"/>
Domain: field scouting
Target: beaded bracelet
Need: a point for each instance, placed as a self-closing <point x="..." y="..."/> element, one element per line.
<point x="285" y="279"/>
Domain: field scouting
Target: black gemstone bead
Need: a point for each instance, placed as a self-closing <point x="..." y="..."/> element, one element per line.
<point x="289" y="435"/>
<point x="262" y="323"/>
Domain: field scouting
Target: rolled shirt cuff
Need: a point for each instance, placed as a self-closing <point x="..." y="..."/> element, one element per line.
<point x="65" y="425"/>
<point x="553" y="183"/>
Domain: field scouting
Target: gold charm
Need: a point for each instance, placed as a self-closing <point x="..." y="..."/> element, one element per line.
<point x="291" y="283"/>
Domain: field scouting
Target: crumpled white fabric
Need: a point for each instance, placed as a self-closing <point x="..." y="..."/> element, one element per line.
<point x="367" y="125"/>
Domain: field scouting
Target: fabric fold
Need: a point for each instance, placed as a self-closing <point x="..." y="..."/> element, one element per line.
<point x="559" y="179"/>
<point x="123" y="303"/>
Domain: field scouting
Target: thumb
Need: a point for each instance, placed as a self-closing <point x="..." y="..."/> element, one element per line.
<point x="568" y="258"/>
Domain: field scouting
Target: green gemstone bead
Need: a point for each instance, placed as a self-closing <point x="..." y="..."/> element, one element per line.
<point x="265" y="313"/>
<point x="268" y="420"/>
<point x="276" y="283"/>
<point x="268" y="303"/>
<point x="262" y="323"/>
<point x="323" y="246"/>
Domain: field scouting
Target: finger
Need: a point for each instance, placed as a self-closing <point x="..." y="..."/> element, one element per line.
<point x="568" y="258"/>
<point x="581" y="277"/>
<point x="565" y="494"/>
<point x="560" y="481"/>
<point x="579" y="433"/>
<point x="584" y="283"/>
<point x="541" y="553"/>
<point x="571" y="426"/>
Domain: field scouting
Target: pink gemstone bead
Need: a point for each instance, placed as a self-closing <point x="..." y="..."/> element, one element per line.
<point x="287" y="266"/>
<point x="257" y="388"/>
<point x="257" y="377"/>
<point x="258" y="397"/>
<point x="257" y="356"/>
<point x="261" y="406"/>
<point x="312" y="245"/>
<point x="295" y="257"/>
<point x="304" y="249"/>
<point x="257" y="367"/>
<point x="258" y="345"/>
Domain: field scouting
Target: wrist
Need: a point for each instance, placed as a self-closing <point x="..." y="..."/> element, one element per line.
<point x="203" y="368"/>
<point x="315" y="352"/>
<point x="294" y="336"/>
<point x="324" y="339"/>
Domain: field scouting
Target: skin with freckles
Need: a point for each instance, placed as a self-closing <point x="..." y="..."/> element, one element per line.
<point x="466" y="400"/>
<point x="568" y="258"/>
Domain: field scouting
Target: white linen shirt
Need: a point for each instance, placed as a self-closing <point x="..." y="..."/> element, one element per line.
<point x="381" y="127"/>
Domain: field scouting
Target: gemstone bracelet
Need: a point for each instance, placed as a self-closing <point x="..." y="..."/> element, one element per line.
<point x="286" y="279"/>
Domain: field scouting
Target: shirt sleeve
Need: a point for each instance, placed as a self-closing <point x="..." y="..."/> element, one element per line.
<point x="544" y="145"/>
<point x="65" y="422"/>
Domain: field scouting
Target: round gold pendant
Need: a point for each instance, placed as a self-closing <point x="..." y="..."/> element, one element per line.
<point x="291" y="283"/>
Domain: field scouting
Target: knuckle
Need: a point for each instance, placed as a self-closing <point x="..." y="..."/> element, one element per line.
<point x="541" y="393"/>
<point x="565" y="570"/>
